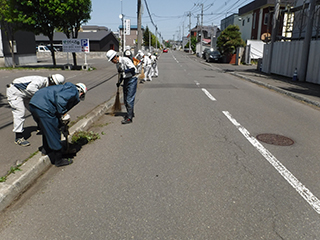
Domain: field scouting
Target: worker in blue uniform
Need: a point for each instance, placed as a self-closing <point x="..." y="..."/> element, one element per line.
<point x="48" y="105"/>
<point x="127" y="72"/>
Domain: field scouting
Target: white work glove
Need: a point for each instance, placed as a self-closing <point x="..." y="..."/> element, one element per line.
<point x="66" y="117"/>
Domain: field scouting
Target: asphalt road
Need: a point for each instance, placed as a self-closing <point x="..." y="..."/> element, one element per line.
<point x="188" y="167"/>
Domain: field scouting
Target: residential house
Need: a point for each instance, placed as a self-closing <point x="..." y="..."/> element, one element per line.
<point x="301" y="15"/>
<point x="300" y="54"/>
<point x="233" y="19"/>
<point x="256" y="19"/>
<point x="209" y="38"/>
<point x="24" y="47"/>
<point x="131" y="36"/>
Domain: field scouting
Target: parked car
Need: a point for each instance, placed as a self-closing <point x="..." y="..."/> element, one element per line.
<point x="204" y="52"/>
<point x="42" y="49"/>
<point x="165" y="50"/>
<point x="213" y="56"/>
<point x="56" y="47"/>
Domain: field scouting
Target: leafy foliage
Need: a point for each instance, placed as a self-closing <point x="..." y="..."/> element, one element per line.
<point x="229" y="40"/>
<point x="193" y="43"/>
<point x="146" y="39"/>
<point x="76" y="12"/>
<point x="46" y="16"/>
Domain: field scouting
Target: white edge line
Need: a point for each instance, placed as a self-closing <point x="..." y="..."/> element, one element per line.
<point x="285" y="173"/>
<point x="208" y="94"/>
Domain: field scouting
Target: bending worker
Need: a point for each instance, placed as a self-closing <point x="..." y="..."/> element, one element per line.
<point x="48" y="105"/>
<point x="19" y="93"/>
<point x="127" y="72"/>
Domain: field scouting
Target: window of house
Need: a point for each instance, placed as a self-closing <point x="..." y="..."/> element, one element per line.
<point x="248" y="20"/>
<point x="266" y="19"/>
<point x="243" y="22"/>
<point x="254" y="21"/>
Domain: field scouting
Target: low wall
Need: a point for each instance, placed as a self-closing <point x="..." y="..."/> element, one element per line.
<point x="287" y="56"/>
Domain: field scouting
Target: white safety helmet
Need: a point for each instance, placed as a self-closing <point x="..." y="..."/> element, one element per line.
<point x="57" y="79"/>
<point x="149" y="54"/>
<point x="82" y="89"/>
<point x="111" y="54"/>
<point x="140" y="53"/>
<point x="127" y="53"/>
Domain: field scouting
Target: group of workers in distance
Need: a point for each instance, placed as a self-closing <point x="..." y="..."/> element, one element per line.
<point x="128" y="67"/>
<point x="50" y="98"/>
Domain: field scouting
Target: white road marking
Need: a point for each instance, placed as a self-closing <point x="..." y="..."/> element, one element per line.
<point x="285" y="173"/>
<point x="208" y="94"/>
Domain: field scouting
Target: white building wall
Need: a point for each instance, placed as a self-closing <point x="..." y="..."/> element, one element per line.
<point x="246" y="26"/>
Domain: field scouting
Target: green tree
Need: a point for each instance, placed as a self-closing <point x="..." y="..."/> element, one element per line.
<point x="229" y="40"/>
<point x="40" y="16"/>
<point x="76" y="12"/>
<point x="9" y="25"/>
<point x="193" y="43"/>
<point x="46" y="16"/>
<point x="146" y="38"/>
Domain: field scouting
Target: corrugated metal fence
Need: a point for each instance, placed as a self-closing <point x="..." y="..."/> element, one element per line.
<point x="287" y="56"/>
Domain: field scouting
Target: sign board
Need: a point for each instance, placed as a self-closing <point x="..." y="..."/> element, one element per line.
<point x="75" y="45"/>
<point x="127" y="27"/>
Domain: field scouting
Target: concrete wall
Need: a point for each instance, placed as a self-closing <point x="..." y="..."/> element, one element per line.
<point x="287" y="56"/>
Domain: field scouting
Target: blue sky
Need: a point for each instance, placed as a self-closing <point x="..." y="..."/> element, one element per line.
<point x="170" y="16"/>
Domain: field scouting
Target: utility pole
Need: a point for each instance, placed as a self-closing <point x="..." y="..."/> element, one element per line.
<point x="201" y="30"/>
<point x="149" y="41"/>
<point x="306" y="43"/>
<point x="190" y="32"/>
<point x="156" y="37"/>
<point x="274" y="32"/>
<point x="123" y="32"/>
<point x="183" y="30"/>
<point x="139" y="27"/>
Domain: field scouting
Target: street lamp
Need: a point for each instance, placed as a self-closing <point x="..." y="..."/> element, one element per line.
<point x="121" y="16"/>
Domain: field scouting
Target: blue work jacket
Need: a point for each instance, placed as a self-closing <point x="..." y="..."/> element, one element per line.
<point x="56" y="100"/>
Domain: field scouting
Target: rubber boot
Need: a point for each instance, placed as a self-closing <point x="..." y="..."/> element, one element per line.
<point x="60" y="161"/>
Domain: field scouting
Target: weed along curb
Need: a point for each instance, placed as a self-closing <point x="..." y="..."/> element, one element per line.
<point x="20" y="181"/>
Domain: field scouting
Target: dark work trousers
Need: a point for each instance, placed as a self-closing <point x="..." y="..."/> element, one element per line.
<point x="49" y="125"/>
<point x="129" y="94"/>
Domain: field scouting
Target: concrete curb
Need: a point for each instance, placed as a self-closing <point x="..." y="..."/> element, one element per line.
<point x="290" y="94"/>
<point x="279" y="90"/>
<point x="20" y="181"/>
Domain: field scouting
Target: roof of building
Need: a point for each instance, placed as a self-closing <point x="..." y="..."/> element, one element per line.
<point x="94" y="27"/>
<point x="92" y="36"/>
<point x="132" y="27"/>
<point x="260" y="3"/>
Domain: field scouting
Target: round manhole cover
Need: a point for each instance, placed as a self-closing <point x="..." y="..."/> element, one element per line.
<point x="275" y="139"/>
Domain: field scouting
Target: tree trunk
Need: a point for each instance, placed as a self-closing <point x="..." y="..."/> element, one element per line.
<point x="74" y="55"/>
<point x="52" y="50"/>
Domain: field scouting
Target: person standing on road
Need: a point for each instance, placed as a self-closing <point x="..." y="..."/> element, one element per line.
<point x="147" y="67"/>
<point x="128" y="53"/>
<point x="19" y="93"/>
<point x="127" y="72"/>
<point x="48" y="107"/>
<point x="139" y="58"/>
<point x="154" y="65"/>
